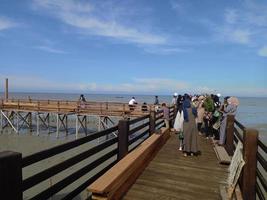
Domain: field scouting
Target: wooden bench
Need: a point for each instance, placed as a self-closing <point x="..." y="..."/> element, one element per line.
<point x="221" y="153"/>
<point x="117" y="180"/>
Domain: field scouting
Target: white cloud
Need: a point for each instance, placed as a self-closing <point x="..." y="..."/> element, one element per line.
<point x="235" y="35"/>
<point x="50" y="49"/>
<point x="6" y="23"/>
<point x="240" y="36"/>
<point x="231" y="16"/>
<point x="164" y="50"/>
<point x="175" y="5"/>
<point x="263" y="51"/>
<point x="83" y="17"/>
<point x="145" y="85"/>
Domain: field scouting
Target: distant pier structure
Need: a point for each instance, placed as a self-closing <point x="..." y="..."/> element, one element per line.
<point x="63" y="114"/>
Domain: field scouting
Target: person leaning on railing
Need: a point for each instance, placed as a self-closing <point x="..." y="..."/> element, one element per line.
<point x="132" y="104"/>
<point x="229" y="108"/>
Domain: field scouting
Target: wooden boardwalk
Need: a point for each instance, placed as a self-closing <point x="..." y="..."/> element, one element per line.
<point x="170" y="175"/>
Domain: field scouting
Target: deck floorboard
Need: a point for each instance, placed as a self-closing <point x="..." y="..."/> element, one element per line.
<point x="170" y="175"/>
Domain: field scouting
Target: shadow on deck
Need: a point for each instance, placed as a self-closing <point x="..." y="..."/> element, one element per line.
<point x="170" y="175"/>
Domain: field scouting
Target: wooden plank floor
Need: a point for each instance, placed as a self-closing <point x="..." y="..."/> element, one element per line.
<point x="170" y="175"/>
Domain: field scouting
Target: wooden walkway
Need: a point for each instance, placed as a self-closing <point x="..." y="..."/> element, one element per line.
<point x="75" y="107"/>
<point x="170" y="175"/>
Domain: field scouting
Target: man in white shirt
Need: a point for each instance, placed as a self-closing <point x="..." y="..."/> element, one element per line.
<point x="132" y="103"/>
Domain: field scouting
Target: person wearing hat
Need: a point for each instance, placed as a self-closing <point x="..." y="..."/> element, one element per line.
<point x="174" y="99"/>
<point x="229" y="108"/>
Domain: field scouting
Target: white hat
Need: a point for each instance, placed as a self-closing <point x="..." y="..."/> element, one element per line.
<point x="175" y="94"/>
<point x="219" y="95"/>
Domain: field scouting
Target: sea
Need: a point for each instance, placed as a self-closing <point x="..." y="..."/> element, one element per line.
<point x="252" y="111"/>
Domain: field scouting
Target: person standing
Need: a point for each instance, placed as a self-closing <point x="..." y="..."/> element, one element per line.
<point x="229" y="108"/>
<point x="166" y="115"/>
<point x="82" y="101"/>
<point x="178" y="126"/>
<point x="190" y="129"/>
<point x="156" y="103"/>
<point x="132" y="103"/>
<point x="174" y="99"/>
<point x="200" y="116"/>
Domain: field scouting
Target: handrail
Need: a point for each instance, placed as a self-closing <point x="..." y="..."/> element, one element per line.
<point x="28" y="160"/>
<point x="133" y="121"/>
<point x="124" y="141"/>
<point x="47" y="173"/>
<point x="260" y="186"/>
<point x="262" y="146"/>
<point x="241" y="126"/>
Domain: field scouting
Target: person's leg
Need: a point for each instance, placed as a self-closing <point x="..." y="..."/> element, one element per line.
<point x="199" y="125"/>
<point x="167" y="123"/>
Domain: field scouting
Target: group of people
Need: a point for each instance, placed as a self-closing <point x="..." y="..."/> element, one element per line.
<point x="132" y="104"/>
<point x="203" y="115"/>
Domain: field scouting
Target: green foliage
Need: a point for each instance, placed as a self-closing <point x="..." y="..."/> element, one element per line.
<point x="209" y="104"/>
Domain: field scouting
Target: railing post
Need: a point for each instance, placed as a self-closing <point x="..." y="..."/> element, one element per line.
<point x="229" y="146"/>
<point x="152" y="122"/>
<point x="250" y="148"/>
<point x="6" y="90"/>
<point x="123" y="129"/>
<point x="10" y="175"/>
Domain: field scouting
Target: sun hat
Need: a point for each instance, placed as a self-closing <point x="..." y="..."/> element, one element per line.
<point x="175" y="94"/>
<point x="233" y="100"/>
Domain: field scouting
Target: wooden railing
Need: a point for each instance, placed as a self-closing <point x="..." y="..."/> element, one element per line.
<point x="66" y="106"/>
<point x="253" y="180"/>
<point x="131" y="133"/>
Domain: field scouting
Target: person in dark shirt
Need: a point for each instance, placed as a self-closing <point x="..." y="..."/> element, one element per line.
<point x="144" y="107"/>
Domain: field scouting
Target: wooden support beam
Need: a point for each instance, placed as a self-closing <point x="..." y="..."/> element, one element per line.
<point x="229" y="145"/>
<point x="250" y="148"/>
<point x="6" y="90"/>
<point x="152" y="122"/>
<point x="30" y="121"/>
<point x="1" y="122"/>
<point x="9" y="121"/>
<point x="57" y="133"/>
<point x="123" y="134"/>
<point x="77" y="128"/>
<point x="11" y="175"/>
<point x="37" y="123"/>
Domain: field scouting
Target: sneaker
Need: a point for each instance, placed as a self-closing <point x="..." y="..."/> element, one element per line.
<point x="180" y="148"/>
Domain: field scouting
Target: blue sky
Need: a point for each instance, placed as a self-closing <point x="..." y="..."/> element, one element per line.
<point x="134" y="46"/>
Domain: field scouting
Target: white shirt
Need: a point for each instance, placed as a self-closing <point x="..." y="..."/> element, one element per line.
<point x="132" y="102"/>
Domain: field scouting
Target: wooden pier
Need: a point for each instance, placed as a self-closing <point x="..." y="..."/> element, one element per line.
<point x="15" y="113"/>
<point x="138" y="138"/>
<point x="170" y="175"/>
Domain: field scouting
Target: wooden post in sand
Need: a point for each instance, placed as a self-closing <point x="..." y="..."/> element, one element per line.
<point x="6" y="90"/>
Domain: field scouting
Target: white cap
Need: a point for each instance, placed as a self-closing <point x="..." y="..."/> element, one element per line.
<point x="219" y="95"/>
<point x="175" y="94"/>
